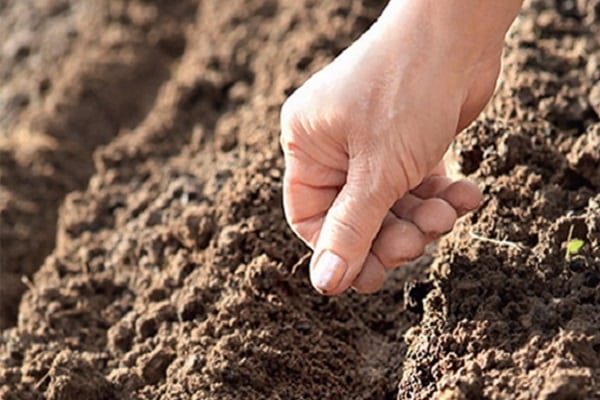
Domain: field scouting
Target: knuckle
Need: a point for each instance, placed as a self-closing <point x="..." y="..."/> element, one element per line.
<point x="370" y="280"/>
<point x="287" y="111"/>
<point x="291" y="124"/>
<point x="389" y="261"/>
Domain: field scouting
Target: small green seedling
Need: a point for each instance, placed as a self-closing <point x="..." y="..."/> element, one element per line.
<point x="574" y="245"/>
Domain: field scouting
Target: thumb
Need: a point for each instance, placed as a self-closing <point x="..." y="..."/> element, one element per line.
<point x="348" y="231"/>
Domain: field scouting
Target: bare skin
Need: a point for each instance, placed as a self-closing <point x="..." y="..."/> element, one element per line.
<point x="363" y="139"/>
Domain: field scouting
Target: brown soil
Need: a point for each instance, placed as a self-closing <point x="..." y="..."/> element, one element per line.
<point x="65" y="91"/>
<point x="173" y="274"/>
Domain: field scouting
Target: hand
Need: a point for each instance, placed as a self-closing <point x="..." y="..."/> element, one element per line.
<point x="363" y="141"/>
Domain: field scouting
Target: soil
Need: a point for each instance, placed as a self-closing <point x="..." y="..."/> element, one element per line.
<point x="140" y="169"/>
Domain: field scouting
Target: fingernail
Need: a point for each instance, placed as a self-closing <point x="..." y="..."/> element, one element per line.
<point x="327" y="271"/>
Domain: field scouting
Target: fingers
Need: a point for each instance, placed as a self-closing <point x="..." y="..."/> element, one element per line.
<point x="371" y="277"/>
<point x="398" y="241"/>
<point x="463" y="194"/>
<point x="416" y="219"/>
<point x="431" y="186"/>
<point x="305" y="207"/>
<point x="348" y="231"/>
<point x="340" y="216"/>
<point x="439" y="169"/>
<point x="309" y="189"/>
<point x="349" y="221"/>
<point x="432" y="216"/>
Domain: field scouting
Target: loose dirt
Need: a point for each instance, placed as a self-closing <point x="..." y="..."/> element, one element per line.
<point x="140" y="168"/>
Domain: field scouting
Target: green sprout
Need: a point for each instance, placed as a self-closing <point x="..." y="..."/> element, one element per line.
<point x="574" y="245"/>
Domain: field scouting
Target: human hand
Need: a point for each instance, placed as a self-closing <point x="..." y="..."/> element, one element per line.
<point x="363" y="141"/>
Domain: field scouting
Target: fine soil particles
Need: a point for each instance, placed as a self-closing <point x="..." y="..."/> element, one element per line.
<point x="143" y="248"/>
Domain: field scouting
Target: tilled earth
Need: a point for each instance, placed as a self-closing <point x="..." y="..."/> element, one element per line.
<point x="140" y="169"/>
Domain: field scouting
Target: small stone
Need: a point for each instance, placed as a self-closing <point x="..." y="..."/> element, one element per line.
<point x="120" y="337"/>
<point x="192" y="307"/>
<point x="194" y="363"/>
<point x="154" y="366"/>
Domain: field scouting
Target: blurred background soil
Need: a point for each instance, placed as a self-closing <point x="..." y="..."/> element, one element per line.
<point x="140" y="191"/>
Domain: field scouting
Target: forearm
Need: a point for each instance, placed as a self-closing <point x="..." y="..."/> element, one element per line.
<point x="458" y="28"/>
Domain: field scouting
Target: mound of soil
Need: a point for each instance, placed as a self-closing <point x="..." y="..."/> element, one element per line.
<point x="510" y="314"/>
<point x="66" y="89"/>
<point x="173" y="273"/>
